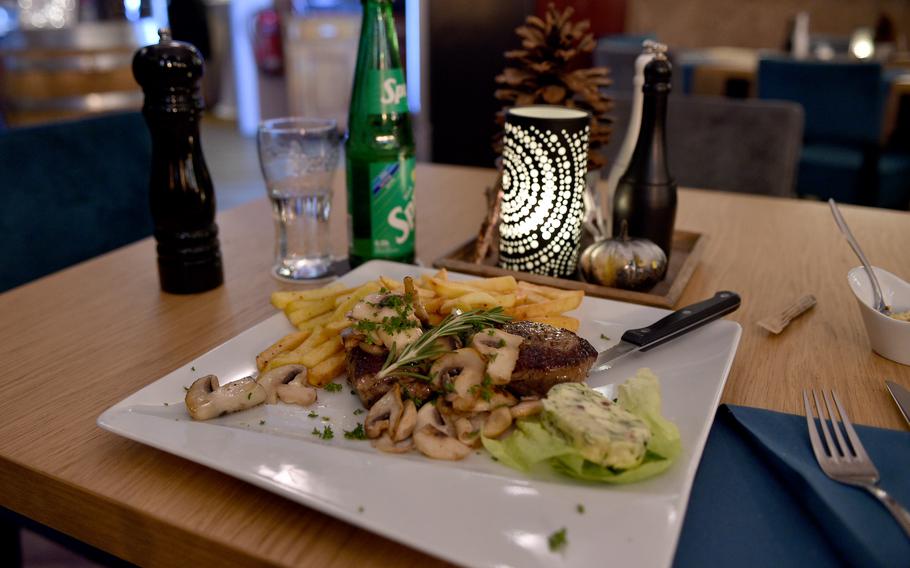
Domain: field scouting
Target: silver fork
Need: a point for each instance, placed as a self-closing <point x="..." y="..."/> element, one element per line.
<point x="847" y="463"/>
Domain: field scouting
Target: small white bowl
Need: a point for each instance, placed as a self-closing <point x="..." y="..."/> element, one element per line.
<point x="889" y="337"/>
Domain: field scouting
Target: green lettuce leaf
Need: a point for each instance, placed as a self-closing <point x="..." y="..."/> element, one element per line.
<point x="531" y="442"/>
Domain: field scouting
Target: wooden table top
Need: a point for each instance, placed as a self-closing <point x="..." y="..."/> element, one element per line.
<point x="74" y="343"/>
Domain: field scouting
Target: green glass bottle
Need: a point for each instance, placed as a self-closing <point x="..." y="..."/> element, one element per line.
<point x="380" y="146"/>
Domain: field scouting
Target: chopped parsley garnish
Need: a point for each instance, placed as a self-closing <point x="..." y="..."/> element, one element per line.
<point x="580" y="508"/>
<point x="333" y="387"/>
<point x="358" y="411"/>
<point x="165" y="404"/>
<point x="193" y="368"/>
<point x="486" y="391"/>
<point x="501" y="344"/>
<point x="397" y="324"/>
<point x="186" y="389"/>
<point x="326" y="433"/>
<point x="360" y="509"/>
<point x="325" y="418"/>
<point x="604" y="337"/>
<point x="557" y="540"/>
<point x="312" y="414"/>
<point x="261" y="422"/>
<point x="249" y="395"/>
<point x="353" y="392"/>
<point x="366" y="327"/>
<point x="356" y="434"/>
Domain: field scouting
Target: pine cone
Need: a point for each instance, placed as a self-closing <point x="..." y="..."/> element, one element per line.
<point x="551" y="68"/>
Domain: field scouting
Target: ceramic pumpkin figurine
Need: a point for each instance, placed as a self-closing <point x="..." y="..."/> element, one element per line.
<point x="631" y="264"/>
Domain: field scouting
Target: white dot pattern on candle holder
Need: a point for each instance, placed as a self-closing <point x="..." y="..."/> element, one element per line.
<point x="543" y="185"/>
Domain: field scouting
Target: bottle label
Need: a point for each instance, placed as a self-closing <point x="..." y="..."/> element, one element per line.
<point x="391" y="206"/>
<point x="386" y="91"/>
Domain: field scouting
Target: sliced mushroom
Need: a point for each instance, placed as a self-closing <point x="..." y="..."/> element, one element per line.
<point x="498" y="422"/>
<point x="386" y="444"/>
<point x="445" y="345"/>
<point x="467" y="430"/>
<point x="379" y="308"/>
<point x="497" y="399"/>
<point x="459" y="374"/>
<point x="501" y="350"/>
<point x="461" y="362"/>
<point x="419" y="310"/>
<point x="385" y="413"/>
<point x="406" y="423"/>
<point x="433" y="438"/>
<point x="283" y="375"/>
<point x="297" y="391"/>
<point x="206" y="398"/>
<point x="526" y="408"/>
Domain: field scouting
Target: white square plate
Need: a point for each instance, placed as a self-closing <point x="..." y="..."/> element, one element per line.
<point x="475" y="512"/>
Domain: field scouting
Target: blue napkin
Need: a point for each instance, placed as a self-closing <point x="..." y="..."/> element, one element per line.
<point x="760" y="499"/>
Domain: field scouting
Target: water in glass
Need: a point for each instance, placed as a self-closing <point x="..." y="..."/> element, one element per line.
<point x="298" y="159"/>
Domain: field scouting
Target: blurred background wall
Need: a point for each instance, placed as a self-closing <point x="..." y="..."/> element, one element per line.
<point x="753" y="23"/>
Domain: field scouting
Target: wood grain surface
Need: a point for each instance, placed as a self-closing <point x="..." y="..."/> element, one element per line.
<point x="74" y="343"/>
<point x="685" y="257"/>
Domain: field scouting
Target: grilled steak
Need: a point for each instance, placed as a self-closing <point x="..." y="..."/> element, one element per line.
<point x="362" y="369"/>
<point x="547" y="356"/>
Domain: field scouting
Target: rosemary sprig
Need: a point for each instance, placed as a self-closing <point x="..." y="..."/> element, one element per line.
<point x="425" y="346"/>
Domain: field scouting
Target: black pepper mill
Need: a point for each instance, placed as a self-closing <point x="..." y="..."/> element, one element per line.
<point x="180" y="190"/>
<point x="646" y="193"/>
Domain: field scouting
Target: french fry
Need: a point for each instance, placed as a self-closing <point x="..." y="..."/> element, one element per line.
<point x="449" y="289"/>
<point x="531" y="297"/>
<point x="565" y="322"/>
<point x="443" y="274"/>
<point x="315" y="322"/>
<point x="337" y="325"/>
<point x="302" y="310"/>
<point x="360" y="293"/>
<point x="318" y="336"/>
<point x="475" y="300"/>
<point x="432" y="305"/>
<point x="546" y="291"/>
<point x="469" y="301"/>
<point x="325" y="350"/>
<point x="558" y="306"/>
<point x="281" y="299"/>
<point x="282" y="359"/>
<point x="391" y="284"/>
<point x="500" y="284"/>
<point x="326" y="371"/>
<point x="287" y="343"/>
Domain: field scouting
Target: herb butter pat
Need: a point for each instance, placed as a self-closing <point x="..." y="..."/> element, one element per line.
<point x="603" y="432"/>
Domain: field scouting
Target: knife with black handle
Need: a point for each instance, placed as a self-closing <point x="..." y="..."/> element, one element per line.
<point x="670" y="327"/>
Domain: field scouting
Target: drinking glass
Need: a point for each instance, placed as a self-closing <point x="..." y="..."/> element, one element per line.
<point x="298" y="157"/>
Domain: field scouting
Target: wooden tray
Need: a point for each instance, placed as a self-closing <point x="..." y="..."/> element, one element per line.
<point x="687" y="251"/>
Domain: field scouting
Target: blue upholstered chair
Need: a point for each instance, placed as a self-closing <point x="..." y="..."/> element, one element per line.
<point x="843" y="103"/>
<point x="71" y="191"/>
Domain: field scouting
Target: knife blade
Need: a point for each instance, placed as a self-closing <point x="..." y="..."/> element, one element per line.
<point x="669" y="327"/>
<point x="901" y="397"/>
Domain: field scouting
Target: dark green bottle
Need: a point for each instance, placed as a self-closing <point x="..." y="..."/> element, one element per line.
<point x="380" y="146"/>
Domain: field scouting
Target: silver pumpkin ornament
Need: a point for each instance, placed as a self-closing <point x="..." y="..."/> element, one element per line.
<point x="630" y="264"/>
